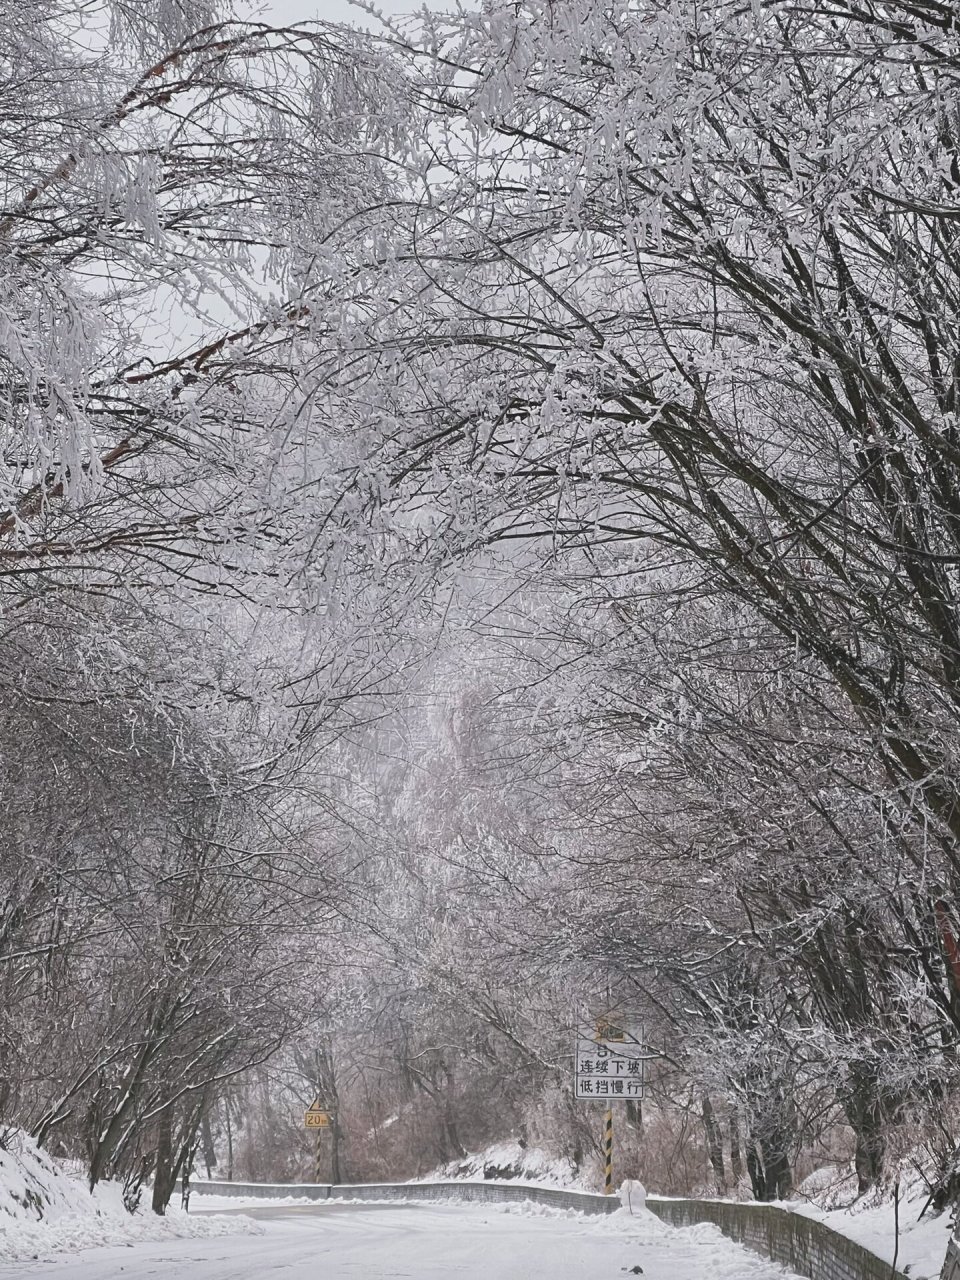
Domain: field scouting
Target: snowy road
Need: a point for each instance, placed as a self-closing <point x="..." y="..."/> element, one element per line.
<point x="435" y="1242"/>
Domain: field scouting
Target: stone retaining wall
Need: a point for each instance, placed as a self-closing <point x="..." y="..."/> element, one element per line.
<point x="951" y="1263"/>
<point x="801" y="1244"/>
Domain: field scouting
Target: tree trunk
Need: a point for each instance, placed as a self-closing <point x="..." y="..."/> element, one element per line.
<point x="226" y="1112"/>
<point x="756" y="1172"/>
<point x="868" y="1157"/>
<point x="768" y="1165"/>
<point x="736" y="1159"/>
<point x="450" y="1128"/>
<point x="868" y="1117"/>
<point x="164" y="1177"/>
<point x="714" y="1143"/>
<point x="335" y="1149"/>
<point x="779" y="1176"/>
<point x="209" y="1151"/>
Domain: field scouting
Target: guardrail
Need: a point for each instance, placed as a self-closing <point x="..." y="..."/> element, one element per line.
<point x="583" y="1201"/>
<point x="803" y="1245"/>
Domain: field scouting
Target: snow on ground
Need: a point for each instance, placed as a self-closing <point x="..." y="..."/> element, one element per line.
<point x="46" y="1209"/>
<point x="510" y="1162"/>
<point x="919" y="1244"/>
<point x="428" y="1242"/>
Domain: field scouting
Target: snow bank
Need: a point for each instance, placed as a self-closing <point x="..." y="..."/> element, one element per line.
<point x="638" y="1222"/>
<point x="632" y="1194"/>
<point x="204" y="1202"/>
<point x="510" y="1162"/>
<point x="46" y="1209"/>
<point x="701" y="1250"/>
<point x="918" y="1244"/>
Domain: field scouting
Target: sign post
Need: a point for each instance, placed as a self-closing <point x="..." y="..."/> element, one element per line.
<point x="608" y="1152"/>
<point x="317" y="1117"/>
<point x="609" y="1068"/>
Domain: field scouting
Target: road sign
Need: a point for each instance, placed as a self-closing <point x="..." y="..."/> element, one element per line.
<point x="609" y="1065"/>
<point x="316" y="1116"/>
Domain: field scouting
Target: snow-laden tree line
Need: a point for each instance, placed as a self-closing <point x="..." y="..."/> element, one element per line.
<point x="480" y="530"/>
<point x="190" y="629"/>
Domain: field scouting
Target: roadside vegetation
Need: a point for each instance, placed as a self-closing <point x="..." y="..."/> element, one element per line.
<point x="479" y="547"/>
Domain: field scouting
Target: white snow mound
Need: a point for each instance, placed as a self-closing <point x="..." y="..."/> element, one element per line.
<point x="46" y="1208"/>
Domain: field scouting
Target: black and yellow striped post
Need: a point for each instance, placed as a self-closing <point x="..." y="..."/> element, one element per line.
<point x="317" y="1119"/>
<point x="608" y="1152"/>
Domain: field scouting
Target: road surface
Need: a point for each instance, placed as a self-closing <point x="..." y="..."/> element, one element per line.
<point x="421" y="1242"/>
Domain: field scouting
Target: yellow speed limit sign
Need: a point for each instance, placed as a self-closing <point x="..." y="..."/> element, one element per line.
<point x="316" y="1117"/>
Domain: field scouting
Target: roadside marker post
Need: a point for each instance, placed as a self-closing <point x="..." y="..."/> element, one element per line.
<point x="317" y="1117"/>
<point x="608" y="1152"/>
